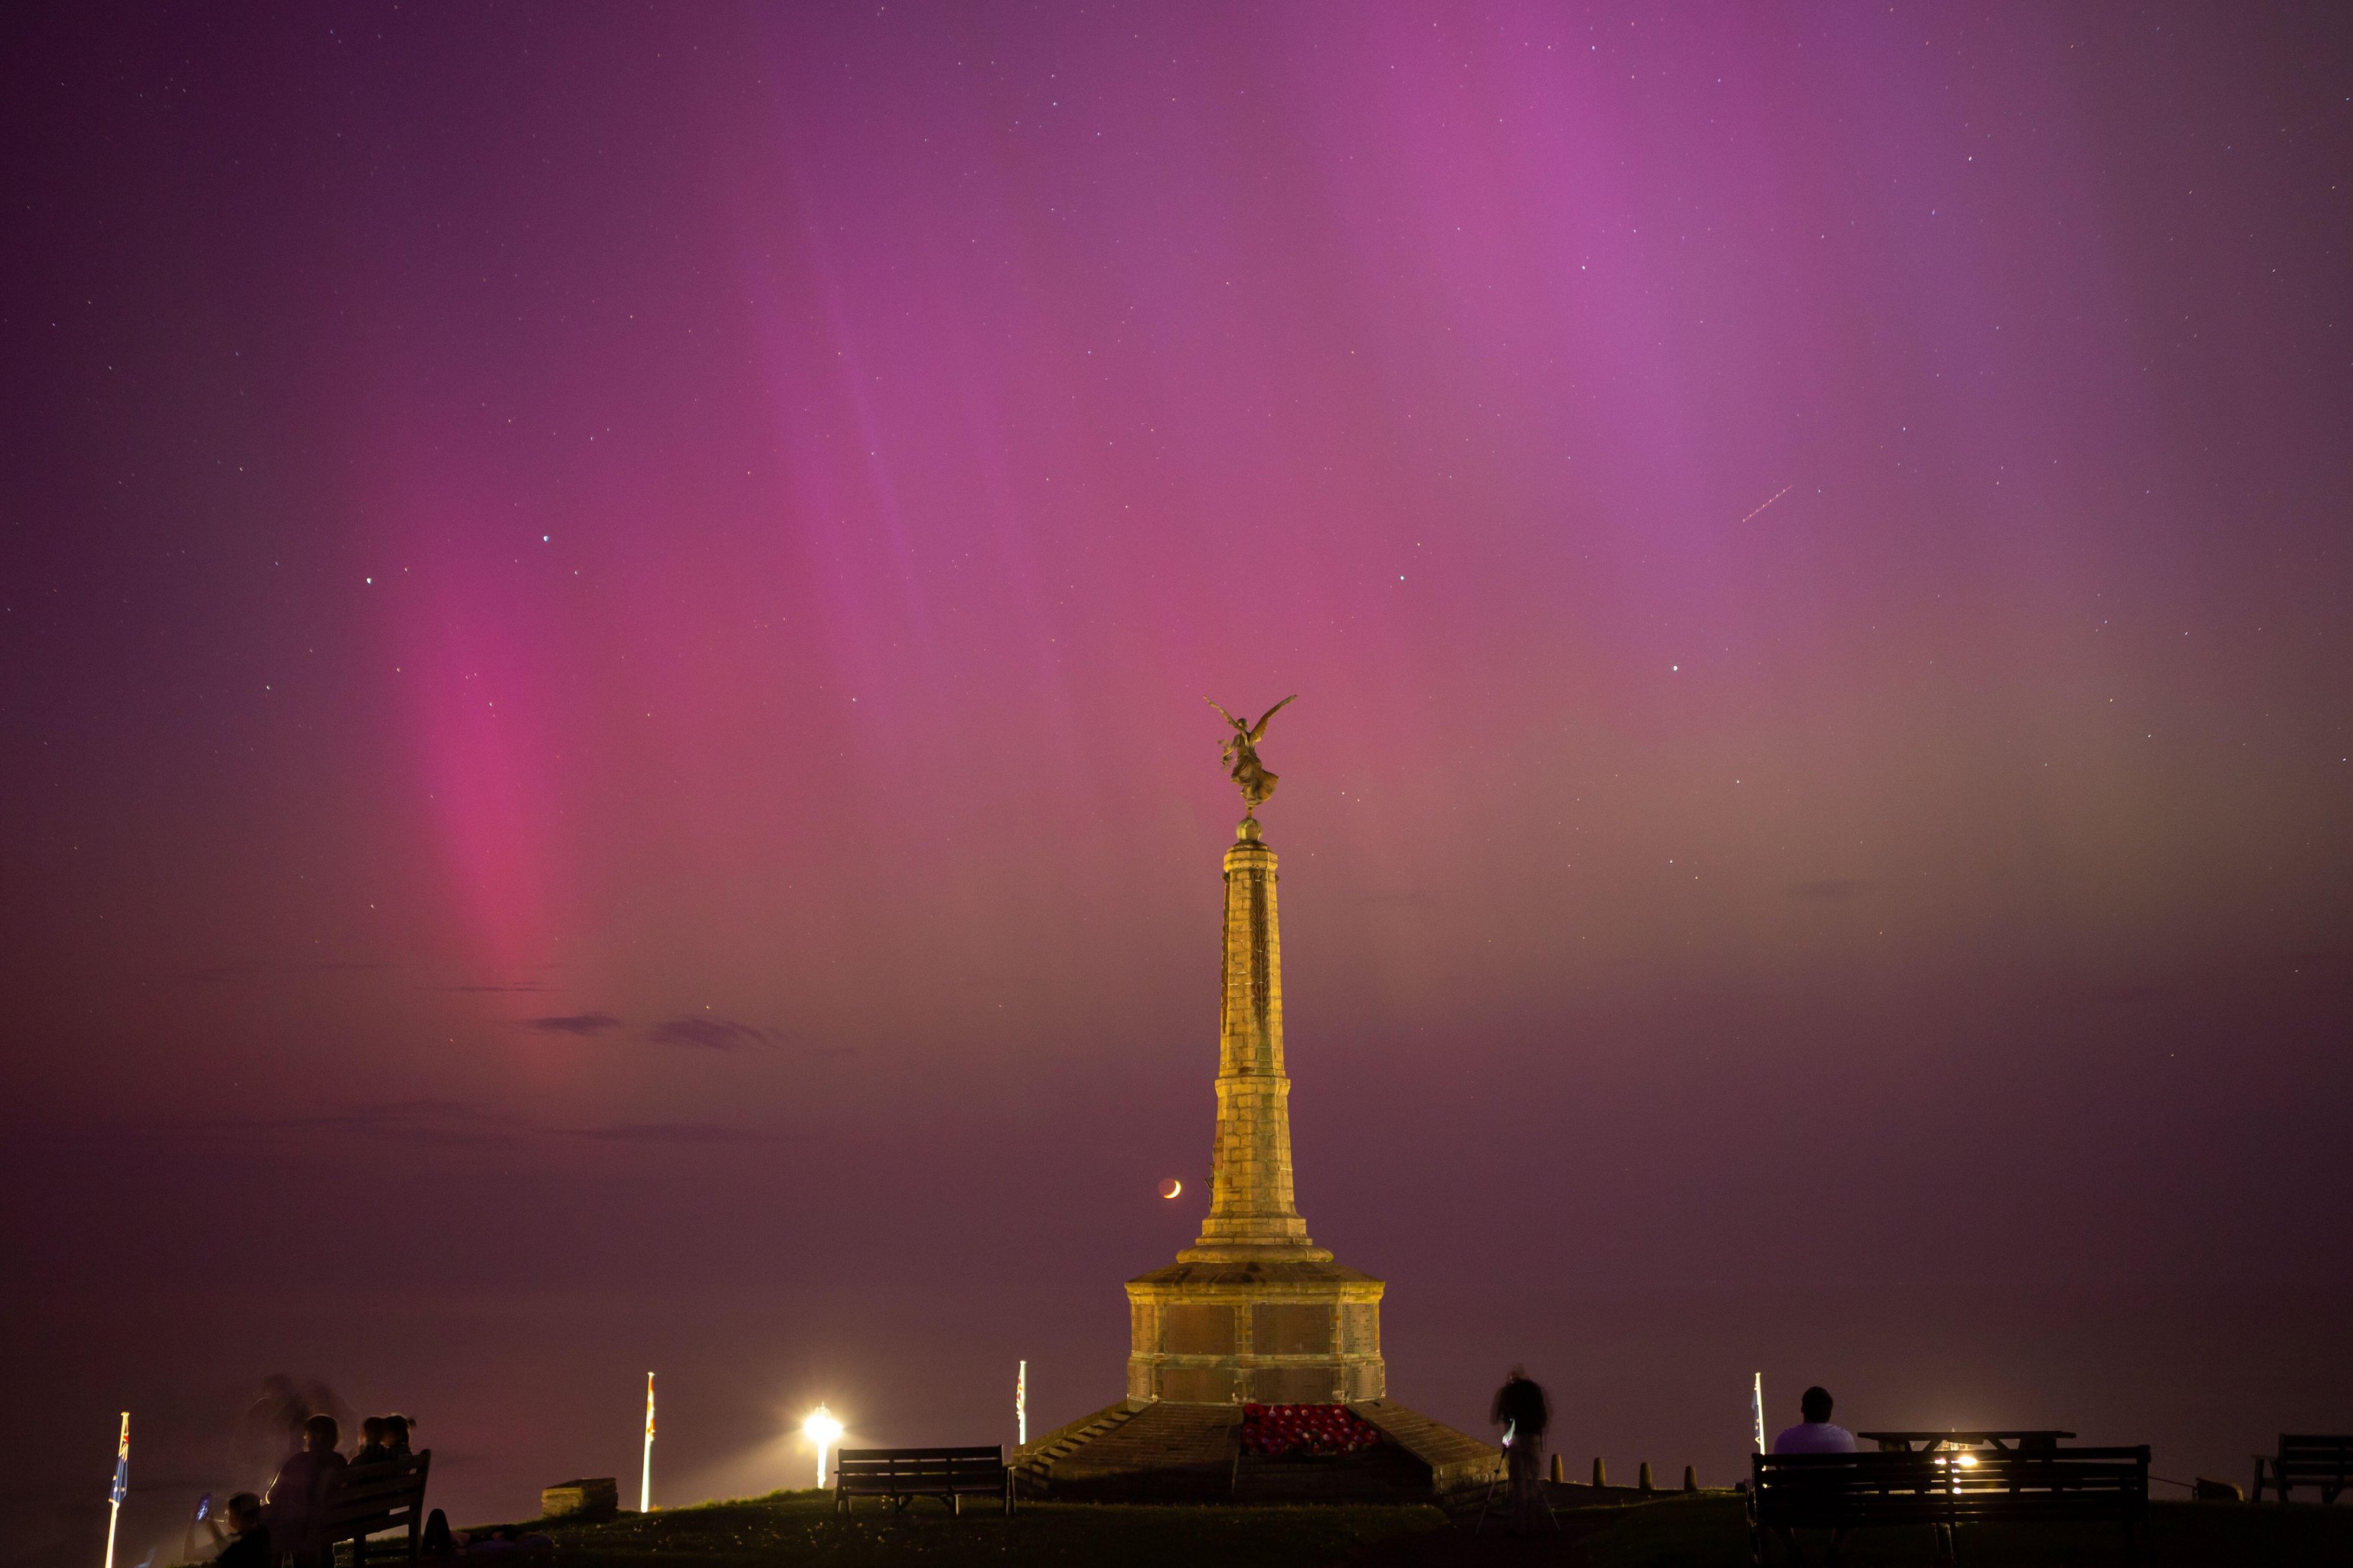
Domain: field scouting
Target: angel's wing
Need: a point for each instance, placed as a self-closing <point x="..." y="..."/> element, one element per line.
<point x="1258" y="731"/>
<point x="1229" y="718"/>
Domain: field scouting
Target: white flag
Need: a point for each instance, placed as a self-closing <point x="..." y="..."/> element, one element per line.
<point x="646" y="1477"/>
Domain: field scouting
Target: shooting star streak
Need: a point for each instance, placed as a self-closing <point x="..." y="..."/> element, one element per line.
<point x="1769" y="500"/>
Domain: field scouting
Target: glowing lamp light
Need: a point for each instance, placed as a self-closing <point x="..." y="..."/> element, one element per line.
<point x="1967" y="1460"/>
<point x="821" y="1429"/>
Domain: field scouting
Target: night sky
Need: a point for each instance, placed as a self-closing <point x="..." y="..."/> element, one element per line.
<point x="603" y="620"/>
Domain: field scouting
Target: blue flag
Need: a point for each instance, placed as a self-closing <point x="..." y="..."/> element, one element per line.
<point x="122" y="1462"/>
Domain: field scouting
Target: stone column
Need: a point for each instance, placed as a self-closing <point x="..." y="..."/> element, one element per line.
<point x="1251" y="1210"/>
<point x="1253" y="1310"/>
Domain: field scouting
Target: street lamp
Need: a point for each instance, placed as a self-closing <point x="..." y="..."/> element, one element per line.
<point x="821" y="1428"/>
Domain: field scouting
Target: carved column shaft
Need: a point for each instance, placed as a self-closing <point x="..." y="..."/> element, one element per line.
<point x="1252" y="1205"/>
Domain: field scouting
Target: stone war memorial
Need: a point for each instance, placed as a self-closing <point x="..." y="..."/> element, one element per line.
<point x="1254" y="1369"/>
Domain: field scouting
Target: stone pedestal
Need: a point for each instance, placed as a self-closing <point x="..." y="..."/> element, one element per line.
<point x="1264" y="1333"/>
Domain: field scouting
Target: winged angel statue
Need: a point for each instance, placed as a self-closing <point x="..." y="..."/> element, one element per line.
<point x="1241" y="751"/>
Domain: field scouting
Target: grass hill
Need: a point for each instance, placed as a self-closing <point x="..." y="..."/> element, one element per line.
<point x="799" y="1530"/>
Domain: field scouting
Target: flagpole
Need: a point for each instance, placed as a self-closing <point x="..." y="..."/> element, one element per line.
<point x="646" y="1483"/>
<point x="1756" y="1407"/>
<point x="122" y="1485"/>
<point x="1021" y="1405"/>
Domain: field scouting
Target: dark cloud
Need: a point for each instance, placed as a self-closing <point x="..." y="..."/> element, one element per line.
<point x="705" y="1033"/>
<point x="227" y="973"/>
<point x="442" y="1123"/>
<point x="673" y="1132"/>
<point x="422" y="1122"/>
<point x="587" y="1026"/>
<point x="1827" y="890"/>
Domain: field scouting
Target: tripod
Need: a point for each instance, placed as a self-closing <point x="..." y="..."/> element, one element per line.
<point x="1502" y="1479"/>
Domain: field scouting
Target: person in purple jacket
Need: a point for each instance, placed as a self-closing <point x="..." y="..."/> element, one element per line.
<point x="1815" y="1434"/>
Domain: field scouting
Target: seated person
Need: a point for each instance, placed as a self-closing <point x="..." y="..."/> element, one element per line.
<point x="1814" y="1435"/>
<point x="372" y="1444"/>
<point x="246" y="1543"/>
<point x="395" y="1436"/>
<point x="291" y="1507"/>
<point x="438" y="1540"/>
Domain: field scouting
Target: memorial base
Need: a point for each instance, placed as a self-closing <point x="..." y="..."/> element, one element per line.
<point x="1176" y="1451"/>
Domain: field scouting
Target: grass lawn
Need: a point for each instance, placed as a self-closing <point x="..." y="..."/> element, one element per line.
<point x="1714" y="1530"/>
<point x="792" y="1529"/>
<point x="798" y="1527"/>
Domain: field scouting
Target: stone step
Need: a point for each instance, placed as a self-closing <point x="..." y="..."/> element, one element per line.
<point x="1033" y="1466"/>
<point x="1173" y="1451"/>
<point x="1165" y="1452"/>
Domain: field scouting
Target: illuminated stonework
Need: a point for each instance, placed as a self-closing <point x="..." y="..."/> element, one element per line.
<point x="1253" y="1309"/>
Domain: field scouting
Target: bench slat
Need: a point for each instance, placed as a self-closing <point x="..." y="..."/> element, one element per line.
<point x="879" y="1466"/>
<point x="911" y="1467"/>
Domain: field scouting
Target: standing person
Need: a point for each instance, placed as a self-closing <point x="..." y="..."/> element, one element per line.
<point x="1524" y="1413"/>
<point x="291" y="1509"/>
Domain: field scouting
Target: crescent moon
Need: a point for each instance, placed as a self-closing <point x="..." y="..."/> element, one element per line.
<point x="1171" y="1187"/>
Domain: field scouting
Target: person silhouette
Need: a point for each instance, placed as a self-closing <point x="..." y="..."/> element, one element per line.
<point x="246" y="1544"/>
<point x="1814" y="1433"/>
<point x="291" y="1507"/>
<point x="1524" y="1413"/>
<point x="371" y="1445"/>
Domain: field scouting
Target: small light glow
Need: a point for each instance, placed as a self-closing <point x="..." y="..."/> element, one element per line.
<point x="821" y="1428"/>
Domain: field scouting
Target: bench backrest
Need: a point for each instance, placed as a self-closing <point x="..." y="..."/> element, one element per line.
<point x="2313" y="1453"/>
<point x="1891" y="1489"/>
<point x="360" y="1500"/>
<point x="907" y="1469"/>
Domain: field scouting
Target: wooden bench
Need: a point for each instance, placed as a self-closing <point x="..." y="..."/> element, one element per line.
<point x="903" y="1475"/>
<point x="1978" y="1486"/>
<point x="361" y="1501"/>
<point x="2306" y="1459"/>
